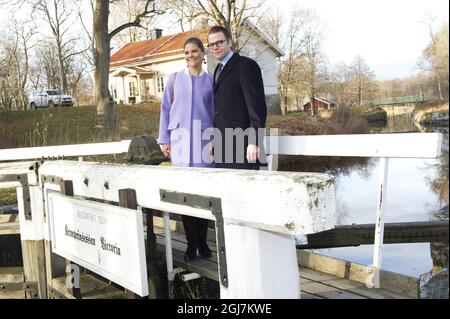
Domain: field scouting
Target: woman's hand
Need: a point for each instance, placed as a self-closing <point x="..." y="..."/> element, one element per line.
<point x="165" y="148"/>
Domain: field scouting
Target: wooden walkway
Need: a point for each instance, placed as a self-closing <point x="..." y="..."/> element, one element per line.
<point x="313" y="284"/>
<point x="9" y="224"/>
<point x="344" y="280"/>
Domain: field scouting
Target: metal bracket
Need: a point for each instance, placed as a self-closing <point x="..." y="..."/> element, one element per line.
<point x="23" y="180"/>
<point x="30" y="287"/>
<point x="210" y="203"/>
<point x="51" y="179"/>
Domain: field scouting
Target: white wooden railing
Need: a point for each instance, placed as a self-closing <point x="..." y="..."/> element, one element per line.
<point x="242" y="206"/>
<point x="75" y="150"/>
<point x="382" y="146"/>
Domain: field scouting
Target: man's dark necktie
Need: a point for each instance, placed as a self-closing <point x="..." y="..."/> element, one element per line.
<point x="218" y="70"/>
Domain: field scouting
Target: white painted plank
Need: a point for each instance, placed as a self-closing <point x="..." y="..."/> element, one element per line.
<point x="21" y="166"/>
<point x="9" y="185"/>
<point x="379" y="222"/>
<point x="264" y="267"/>
<point x="405" y="145"/>
<point x="31" y="229"/>
<point x="14" y="154"/>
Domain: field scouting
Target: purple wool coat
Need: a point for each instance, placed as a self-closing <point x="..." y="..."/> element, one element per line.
<point x="183" y="123"/>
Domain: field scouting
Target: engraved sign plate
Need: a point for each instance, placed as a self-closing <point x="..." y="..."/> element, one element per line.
<point x="105" y="239"/>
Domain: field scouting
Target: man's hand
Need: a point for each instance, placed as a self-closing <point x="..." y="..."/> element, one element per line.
<point x="211" y="149"/>
<point x="165" y="148"/>
<point x="252" y="153"/>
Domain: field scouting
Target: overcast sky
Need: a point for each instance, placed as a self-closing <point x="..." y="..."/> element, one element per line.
<point x="389" y="34"/>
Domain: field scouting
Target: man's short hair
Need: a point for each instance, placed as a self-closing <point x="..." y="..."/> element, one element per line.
<point x="217" y="29"/>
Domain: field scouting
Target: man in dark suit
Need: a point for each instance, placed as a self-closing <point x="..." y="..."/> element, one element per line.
<point x="240" y="105"/>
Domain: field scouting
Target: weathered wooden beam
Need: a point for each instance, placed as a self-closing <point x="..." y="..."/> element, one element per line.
<point x="294" y="203"/>
<point x="9" y="218"/>
<point x="12" y="228"/>
<point x="31" y="230"/>
<point x="12" y="283"/>
<point x="153" y="257"/>
<point x="393" y="282"/>
<point x="394" y="233"/>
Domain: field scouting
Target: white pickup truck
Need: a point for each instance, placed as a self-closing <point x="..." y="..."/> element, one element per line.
<point x="48" y="98"/>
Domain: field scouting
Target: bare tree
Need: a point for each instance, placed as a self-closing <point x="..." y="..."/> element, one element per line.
<point x="435" y="59"/>
<point x="87" y="28"/>
<point x="312" y="59"/>
<point x="301" y="72"/>
<point x="363" y="79"/>
<point x="339" y="84"/>
<point x="16" y="48"/>
<point x="125" y="11"/>
<point x="232" y="14"/>
<point x="102" y="37"/>
<point x="294" y="45"/>
<point x="272" y="25"/>
<point x="59" y="15"/>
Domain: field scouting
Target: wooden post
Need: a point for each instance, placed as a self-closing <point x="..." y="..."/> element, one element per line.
<point x="127" y="199"/>
<point x="260" y="264"/>
<point x="154" y="282"/>
<point x="379" y="223"/>
<point x="67" y="189"/>
<point x="169" y="258"/>
<point x="32" y="241"/>
<point x="55" y="265"/>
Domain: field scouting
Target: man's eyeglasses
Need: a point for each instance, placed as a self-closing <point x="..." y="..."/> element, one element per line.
<point x="219" y="44"/>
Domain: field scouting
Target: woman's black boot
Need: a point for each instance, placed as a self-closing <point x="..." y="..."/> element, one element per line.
<point x="191" y="252"/>
<point x="190" y="229"/>
<point x="202" y="232"/>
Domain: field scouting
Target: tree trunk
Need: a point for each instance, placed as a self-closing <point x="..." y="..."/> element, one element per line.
<point x="106" y="112"/>
<point x="439" y="87"/>
<point x="359" y="92"/>
<point x="62" y="70"/>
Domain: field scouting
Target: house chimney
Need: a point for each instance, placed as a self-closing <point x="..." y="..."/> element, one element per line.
<point x="156" y="33"/>
<point x="201" y="23"/>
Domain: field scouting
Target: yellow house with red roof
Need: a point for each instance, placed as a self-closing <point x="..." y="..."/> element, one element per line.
<point x="139" y="70"/>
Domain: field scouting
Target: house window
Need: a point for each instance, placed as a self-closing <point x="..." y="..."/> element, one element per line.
<point x="133" y="91"/>
<point x="160" y="84"/>
<point x="113" y="92"/>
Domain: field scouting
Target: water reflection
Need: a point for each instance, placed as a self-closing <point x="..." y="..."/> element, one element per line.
<point x="417" y="189"/>
<point x="439" y="251"/>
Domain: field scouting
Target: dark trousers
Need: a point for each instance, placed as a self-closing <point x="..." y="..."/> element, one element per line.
<point x="196" y="229"/>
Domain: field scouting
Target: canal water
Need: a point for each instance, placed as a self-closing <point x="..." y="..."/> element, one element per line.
<point x="416" y="190"/>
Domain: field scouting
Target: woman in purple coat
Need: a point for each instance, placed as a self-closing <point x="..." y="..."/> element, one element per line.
<point x="187" y="110"/>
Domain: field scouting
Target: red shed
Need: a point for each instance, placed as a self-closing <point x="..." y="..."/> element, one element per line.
<point x="319" y="104"/>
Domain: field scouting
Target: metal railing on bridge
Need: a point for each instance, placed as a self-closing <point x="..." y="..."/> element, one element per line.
<point x="401" y="100"/>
